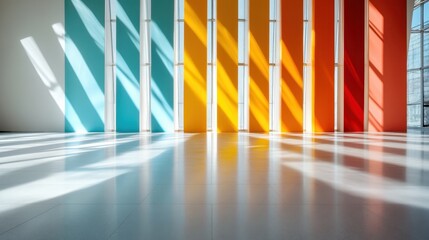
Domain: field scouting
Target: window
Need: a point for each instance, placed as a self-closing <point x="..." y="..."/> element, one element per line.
<point x="179" y="71"/>
<point x="418" y="67"/>
<point x="243" y="65"/>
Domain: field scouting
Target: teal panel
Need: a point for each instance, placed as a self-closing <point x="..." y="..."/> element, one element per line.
<point x="84" y="65"/>
<point x="162" y="66"/>
<point x="127" y="65"/>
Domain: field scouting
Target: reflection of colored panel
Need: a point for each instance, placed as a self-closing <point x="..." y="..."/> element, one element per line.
<point x="258" y="65"/>
<point x="228" y="153"/>
<point x="227" y="66"/>
<point x="292" y="60"/>
<point x="387" y="81"/>
<point x="195" y="93"/>
<point x="84" y="67"/>
<point x="354" y="67"/>
<point x="128" y="65"/>
<point x="323" y="65"/>
<point x="162" y="66"/>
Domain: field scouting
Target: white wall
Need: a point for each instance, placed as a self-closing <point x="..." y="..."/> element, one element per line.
<point x="26" y="103"/>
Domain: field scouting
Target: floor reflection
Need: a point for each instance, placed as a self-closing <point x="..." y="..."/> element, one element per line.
<point x="214" y="186"/>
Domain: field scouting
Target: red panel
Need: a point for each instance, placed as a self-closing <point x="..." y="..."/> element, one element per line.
<point x="387" y="107"/>
<point x="354" y="66"/>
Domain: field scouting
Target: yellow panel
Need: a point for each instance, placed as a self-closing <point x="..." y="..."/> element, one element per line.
<point x="195" y="93"/>
<point x="259" y="66"/>
<point x="227" y="66"/>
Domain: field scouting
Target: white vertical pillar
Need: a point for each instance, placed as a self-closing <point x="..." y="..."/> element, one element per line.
<point x="178" y="63"/>
<point x="110" y="66"/>
<point x="145" y="62"/>
<point x="274" y="60"/>
<point x="339" y="65"/>
<point x="308" y="116"/>
<point x="211" y="67"/>
<point x="243" y="65"/>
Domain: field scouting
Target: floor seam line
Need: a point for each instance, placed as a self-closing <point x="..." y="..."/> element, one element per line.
<point x="20" y="224"/>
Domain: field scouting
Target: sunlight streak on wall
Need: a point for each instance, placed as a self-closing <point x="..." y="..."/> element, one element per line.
<point x="48" y="78"/>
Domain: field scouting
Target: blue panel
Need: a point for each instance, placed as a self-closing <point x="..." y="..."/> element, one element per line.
<point x="162" y="66"/>
<point x="128" y="65"/>
<point x="84" y="65"/>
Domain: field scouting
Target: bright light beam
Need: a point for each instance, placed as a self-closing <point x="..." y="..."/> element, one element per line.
<point x="50" y="81"/>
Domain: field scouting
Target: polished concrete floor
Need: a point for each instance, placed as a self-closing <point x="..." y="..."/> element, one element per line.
<point x="214" y="186"/>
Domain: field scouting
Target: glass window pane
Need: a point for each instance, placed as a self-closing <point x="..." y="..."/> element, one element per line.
<point x="209" y="41"/>
<point x="414" y="88"/>
<point x="180" y="82"/>
<point x="426" y="49"/>
<point x="272" y="54"/>
<point x="426" y="117"/>
<point x="307" y="10"/>
<point x="180" y="9"/>
<point x="210" y="9"/>
<point x="337" y="40"/>
<point x="241" y="77"/>
<point x="426" y="86"/>
<point x="415" y="23"/>
<point x="241" y="38"/>
<point x="414" y="51"/>
<point x="307" y="43"/>
<point x="426" y="15"/>
<point x="181" y="38"/>
<point x="241" y="9"/>
<point x="414" y="115"/>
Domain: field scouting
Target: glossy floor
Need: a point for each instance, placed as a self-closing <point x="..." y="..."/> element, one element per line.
<point x="214" y="186"/>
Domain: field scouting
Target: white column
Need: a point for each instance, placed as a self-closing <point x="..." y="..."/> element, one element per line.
<point x="145" y="65"/>
<point x="243" y="65"/>
<point x="110" y="66"/>
<point x="308" y="116"/>
<point x="274" y="73"/>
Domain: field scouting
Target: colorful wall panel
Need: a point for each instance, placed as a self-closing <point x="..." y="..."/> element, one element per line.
<point x="354" y="65"/>
<point x="128" y="65"/>
<point x="387" y="80"/>
<point x="259" y="65"/>
<point x="227" y="66"/>
<point x="323" y="66"/>
<point x="292" y="66"/>
<point x="195" y="63"/>
<point x="84" y="64"/>
<point x="162" y="66"/>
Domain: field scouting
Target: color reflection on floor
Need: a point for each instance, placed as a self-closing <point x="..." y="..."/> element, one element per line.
<point x="214" y="186"/>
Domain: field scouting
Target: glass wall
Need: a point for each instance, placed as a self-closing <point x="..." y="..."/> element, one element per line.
<point x="418" y="67"/>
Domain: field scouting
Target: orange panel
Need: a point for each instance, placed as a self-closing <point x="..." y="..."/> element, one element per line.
<point x="227" y="66"/>
<point x="258" y="65"/>
<point x="292" y="66"/>
<point x="195" y="93"/>
<point x="323" y="66"/>
<point x="387" y="82"/>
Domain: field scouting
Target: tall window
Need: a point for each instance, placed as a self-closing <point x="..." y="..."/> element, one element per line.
<point x="274" y="60"/>
<point x="243" y="64"/>
<point x="307" y="66"/>
<point x="339" y="67"/>
<point x="110" y="62"/>
<point x="179" y="52"/>
<point x="211" y="66"/>
<point x="418" y="67"/>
